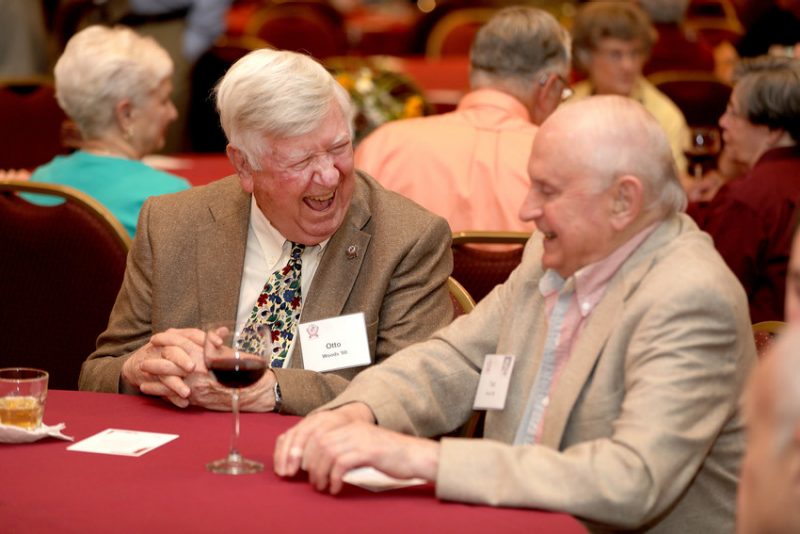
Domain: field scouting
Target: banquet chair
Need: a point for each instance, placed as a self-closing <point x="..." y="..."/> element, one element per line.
<point x="311" y="27"/>
<point x="61" y="267"/>
<point x="30" y="123"/>
<point x="461" y="299"/>
<point x="463" y="304"/>
<point x="452" y="35"/>
<point x="480" y="268"/>
<point x="701" y="96"/>
<point x="765" y="333"/>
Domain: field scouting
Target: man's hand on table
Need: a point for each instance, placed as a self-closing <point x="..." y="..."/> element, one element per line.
<point x="208" y="393"/>
<point x="329" y="444"/>
<point x="159" y="367"/>
<point x="171" y="366"/>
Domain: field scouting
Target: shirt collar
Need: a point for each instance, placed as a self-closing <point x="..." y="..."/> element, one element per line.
<point x="269" y="238"/>
<point x="494" y="98"/>
<point x="591" y="281"/>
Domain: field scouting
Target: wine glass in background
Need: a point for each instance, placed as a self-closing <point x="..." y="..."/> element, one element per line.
<point x="704" y="146"/>
<point x="234" y="368"/>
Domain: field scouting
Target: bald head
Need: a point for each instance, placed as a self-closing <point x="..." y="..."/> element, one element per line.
<point x="612" y="136"/>
<point x="769" y="489"/>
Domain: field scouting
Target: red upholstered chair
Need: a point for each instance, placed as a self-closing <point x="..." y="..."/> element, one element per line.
<point x="460" y="297"/>
<point x="61" y="268"/>
<point x="30" y="123"/>
<point x="452" y="35"/>
<point x="312" y="27"/>
<point x="480" y="268"/>
<point x="462" y="304"/>
<point x="765" y="333"/>
<point x="701" y="96"/>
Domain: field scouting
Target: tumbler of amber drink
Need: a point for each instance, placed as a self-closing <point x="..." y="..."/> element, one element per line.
<point x="23" y="392"/>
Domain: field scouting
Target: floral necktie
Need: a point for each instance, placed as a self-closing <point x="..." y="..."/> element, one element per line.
<point x="276" y="311"/>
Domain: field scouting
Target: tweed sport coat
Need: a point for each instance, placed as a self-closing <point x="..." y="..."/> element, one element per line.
<point x="185" y="268"/>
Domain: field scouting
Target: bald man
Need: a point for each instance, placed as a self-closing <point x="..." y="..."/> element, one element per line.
<point x="631" y="344"/>
<point x="769" y="495"/>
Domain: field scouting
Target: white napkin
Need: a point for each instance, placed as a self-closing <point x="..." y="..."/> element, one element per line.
<point x="371" y="479"/>
<point x="15" y="434"/>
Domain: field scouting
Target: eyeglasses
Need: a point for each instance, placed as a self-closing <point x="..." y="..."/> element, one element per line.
<point x="731" y="112"/>
<point x="566" y="91"/>
<point x="635" y="53"/>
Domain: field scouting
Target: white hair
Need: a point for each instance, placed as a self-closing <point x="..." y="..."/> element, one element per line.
<point x="277" y="93"/>
<point x="102" y="66"/>
<point x="625" y="139"/>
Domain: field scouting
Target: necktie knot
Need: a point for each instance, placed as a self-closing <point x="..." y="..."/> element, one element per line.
<point x="297" y="250"/>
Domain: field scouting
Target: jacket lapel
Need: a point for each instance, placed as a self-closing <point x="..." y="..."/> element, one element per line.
<point x="590" y="343"/>
<point x="338" y="268"/>
<point x="221" y="245"/>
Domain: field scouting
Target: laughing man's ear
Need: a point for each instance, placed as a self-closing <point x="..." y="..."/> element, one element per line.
<point x="243" y="169"/>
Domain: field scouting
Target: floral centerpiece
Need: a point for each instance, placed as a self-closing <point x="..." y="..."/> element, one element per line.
<point x="380" y="93"/>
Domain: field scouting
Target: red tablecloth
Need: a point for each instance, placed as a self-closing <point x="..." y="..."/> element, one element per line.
<point x="46" y="488"/>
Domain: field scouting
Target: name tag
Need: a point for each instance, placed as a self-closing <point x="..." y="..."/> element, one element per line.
<point x="335" y="343"/>
<point x="493" y="384"/>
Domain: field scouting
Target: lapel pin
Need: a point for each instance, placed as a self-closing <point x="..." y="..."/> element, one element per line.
<point x="352" y="252"/>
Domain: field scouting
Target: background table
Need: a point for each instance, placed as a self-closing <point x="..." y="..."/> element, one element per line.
<point x="46" y="488"/>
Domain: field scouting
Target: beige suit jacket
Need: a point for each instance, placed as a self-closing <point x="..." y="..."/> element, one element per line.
<point x="643" y="430"/>
<point x="185" y="269"/>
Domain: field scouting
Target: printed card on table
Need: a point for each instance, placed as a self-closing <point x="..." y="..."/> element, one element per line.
<point x="122" y="442"/>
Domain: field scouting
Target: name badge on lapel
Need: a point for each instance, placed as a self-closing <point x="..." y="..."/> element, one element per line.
<point x="335" y="343"/>
<point x="493" y="384"/>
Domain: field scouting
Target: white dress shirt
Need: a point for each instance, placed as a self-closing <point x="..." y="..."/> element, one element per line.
<point x="267" y="251"/>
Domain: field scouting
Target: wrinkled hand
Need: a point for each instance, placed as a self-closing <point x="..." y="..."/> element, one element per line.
<point x="208" y="393"/>
<point x="328" y="457"/>
<point x="291" y="444"/>
<point x="160" y="366"/>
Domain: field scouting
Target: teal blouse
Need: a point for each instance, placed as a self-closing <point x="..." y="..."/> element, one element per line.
<point x="121" y="185"/>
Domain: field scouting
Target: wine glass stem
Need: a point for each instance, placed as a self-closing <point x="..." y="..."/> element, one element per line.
<point x="234" y="455"/>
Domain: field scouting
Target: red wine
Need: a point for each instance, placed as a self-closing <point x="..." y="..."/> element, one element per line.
<point x="237" y="373"/>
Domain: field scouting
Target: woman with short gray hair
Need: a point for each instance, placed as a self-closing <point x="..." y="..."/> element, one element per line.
<point x="611" y="42"/>
<point x="115" y="85"/>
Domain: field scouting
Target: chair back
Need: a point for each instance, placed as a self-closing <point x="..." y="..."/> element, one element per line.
<point x="61" y="268"/>
<point x="701" y="96"/>
<point x="311" y="27"/>
<point x="765" y="333"/>
<point x="30" y="123"/>
<point x="452" y="35"/>
<point x="461" y="299"/>
<point x="480" y="268"/>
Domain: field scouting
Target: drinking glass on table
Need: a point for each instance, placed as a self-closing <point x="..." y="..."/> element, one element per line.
<point x="704" y="146"/>
<point x="235" y="366"/>
<point x="23" y="392"/>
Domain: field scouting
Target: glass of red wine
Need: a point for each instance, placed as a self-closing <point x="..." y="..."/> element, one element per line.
<point x="704" y="146"/>
<point x="235" y="369"/>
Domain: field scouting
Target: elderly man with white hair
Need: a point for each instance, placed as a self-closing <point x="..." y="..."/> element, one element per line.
<point x="223" y="251"/>
<point x="630" y="339"/>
